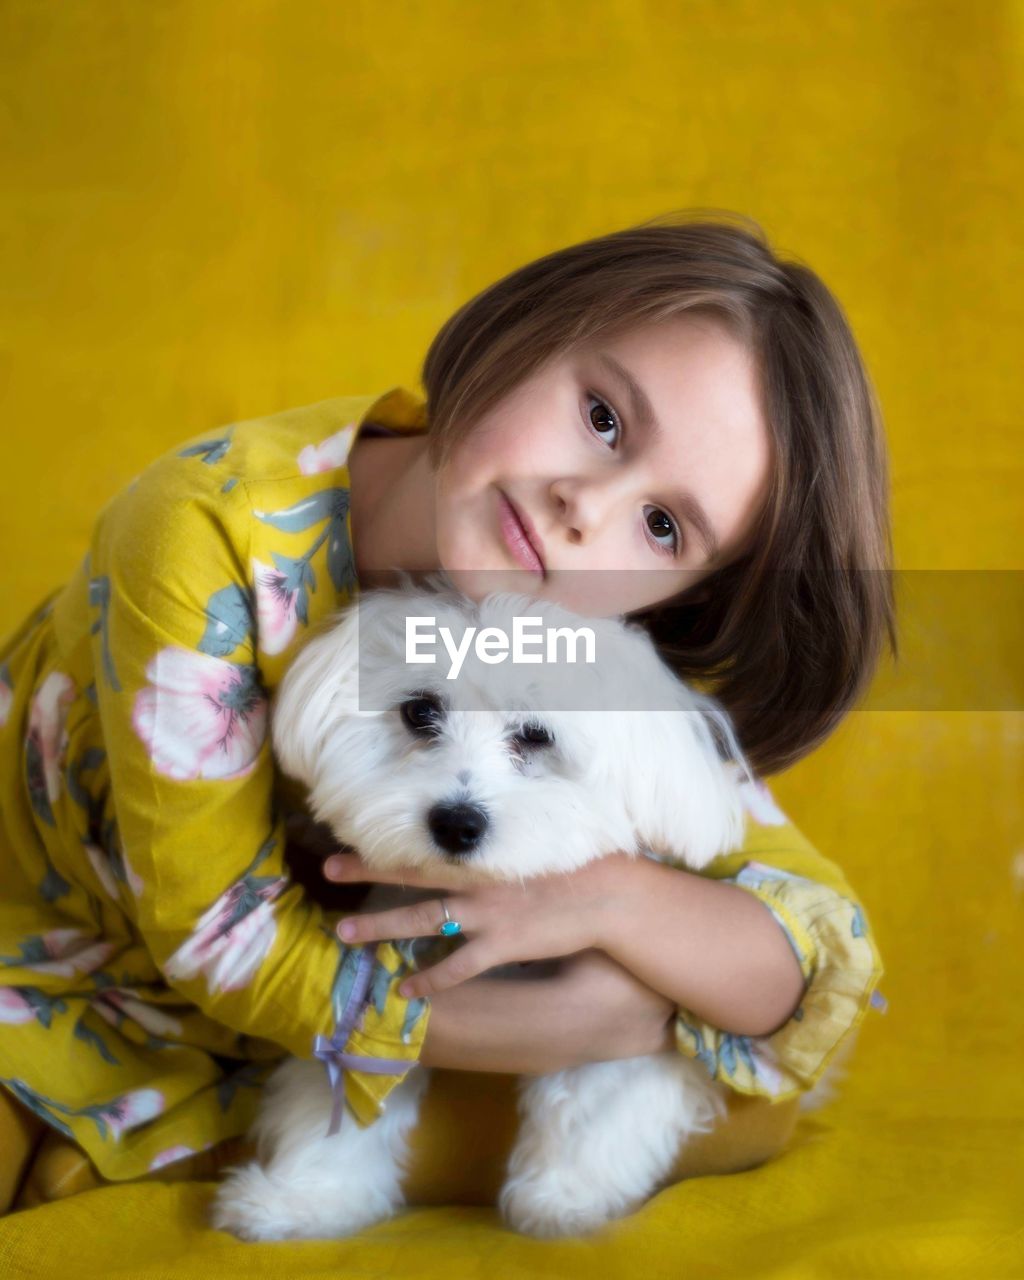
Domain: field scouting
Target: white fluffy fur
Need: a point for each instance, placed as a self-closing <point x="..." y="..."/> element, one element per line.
<point x="595" y="1141"/>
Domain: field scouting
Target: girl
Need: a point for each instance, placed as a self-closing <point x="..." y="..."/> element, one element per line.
<point x="666" y="422"/>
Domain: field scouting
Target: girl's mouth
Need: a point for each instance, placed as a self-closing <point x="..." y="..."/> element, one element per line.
<point x="516" y="537"/>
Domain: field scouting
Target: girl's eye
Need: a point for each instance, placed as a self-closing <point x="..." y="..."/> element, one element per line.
<point x="659" y="523"/>
<point x="611" y="419"/>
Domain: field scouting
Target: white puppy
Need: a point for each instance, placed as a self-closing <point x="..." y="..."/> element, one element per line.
<point x="512" y="770"/>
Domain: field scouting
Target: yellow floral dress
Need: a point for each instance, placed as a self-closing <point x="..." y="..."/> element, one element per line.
<point x="156" y="957"/>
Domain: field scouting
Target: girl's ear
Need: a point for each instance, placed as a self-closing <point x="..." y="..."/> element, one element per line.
<point x="320" y="686"/>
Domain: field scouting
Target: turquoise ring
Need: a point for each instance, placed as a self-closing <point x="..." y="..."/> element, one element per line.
<point x="450" y="927"/>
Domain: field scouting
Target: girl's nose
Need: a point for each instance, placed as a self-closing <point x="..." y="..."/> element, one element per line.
<point x="583" y="506"/>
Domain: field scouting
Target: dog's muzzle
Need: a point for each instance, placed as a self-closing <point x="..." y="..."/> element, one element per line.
<point x="457" y="828"/>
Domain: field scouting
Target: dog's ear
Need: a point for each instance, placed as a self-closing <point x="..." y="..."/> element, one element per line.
<point x="321" y="684"/>
<point x="684" y="797"/>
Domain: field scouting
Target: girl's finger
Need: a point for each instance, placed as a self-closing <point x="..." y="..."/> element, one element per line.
<point x="349" y="868"/>
<point x="418" y="921"/>
<point x="468" y="962"/>
<point x="344" y="866"/>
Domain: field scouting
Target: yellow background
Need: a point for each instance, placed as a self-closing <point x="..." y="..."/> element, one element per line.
<point x="213" y="210"/>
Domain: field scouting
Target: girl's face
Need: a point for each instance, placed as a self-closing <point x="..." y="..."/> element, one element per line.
<point x="637" y="467"/>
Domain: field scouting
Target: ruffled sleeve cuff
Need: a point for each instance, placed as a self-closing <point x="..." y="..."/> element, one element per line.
<point x="841" y="964"/>
<point x="378" y="1033"/>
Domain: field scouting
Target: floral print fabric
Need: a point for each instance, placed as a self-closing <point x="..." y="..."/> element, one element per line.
<point x="156" y="958"/>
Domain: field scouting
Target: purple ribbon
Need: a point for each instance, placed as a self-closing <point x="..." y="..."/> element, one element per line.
<point x="331" y="1049"/>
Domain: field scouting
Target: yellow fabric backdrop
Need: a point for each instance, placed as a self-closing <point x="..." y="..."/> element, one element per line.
<point x="212" y="210"/>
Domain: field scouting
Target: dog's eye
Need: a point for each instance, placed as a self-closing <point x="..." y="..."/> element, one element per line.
<point x="534" y="735"/>
<point x="422" y="714"/>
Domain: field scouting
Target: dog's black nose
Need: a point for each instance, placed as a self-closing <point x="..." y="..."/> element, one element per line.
<point x="457" y="827"/>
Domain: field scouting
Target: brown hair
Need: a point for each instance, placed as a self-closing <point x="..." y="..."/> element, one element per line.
<point x="787" y="636"/>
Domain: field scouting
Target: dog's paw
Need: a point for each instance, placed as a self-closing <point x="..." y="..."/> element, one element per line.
<point x="550" y="1207"/>
<point x="252" y="1205"/>
<point x="249" y="1206"/>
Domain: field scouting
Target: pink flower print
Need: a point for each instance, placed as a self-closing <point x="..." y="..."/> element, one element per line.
<point x="135" y="881"/>
<point x="114" y="1004"/>
<point x="760" y="804"/>
<point x="286" y="587"/>
<point x="277" y="606"/>
<point x="128" y="1111"/>
<point x="232" y="938"/>
<point x="170" y="1156"/>
<point x="47" y="734"/>
<point x="328" y="454"/>
<point x="100" y="863"/>
<point x="104" y="864"/>
<point x="66" y="952"/>
<point x="201" y="717"/>
<point x="14" y="1008"/>
<point x="765" y="1065"/>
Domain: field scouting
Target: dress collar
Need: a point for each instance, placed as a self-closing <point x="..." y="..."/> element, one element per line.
<point x="397" y="412"/>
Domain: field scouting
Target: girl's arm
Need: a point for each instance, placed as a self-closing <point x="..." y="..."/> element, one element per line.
<point x="196" y="856"/>
<point x="668" y="939"/>
<point x="707" y="946"/>
<point x="592" y="1010"/>
<point x="490" y="1025"/>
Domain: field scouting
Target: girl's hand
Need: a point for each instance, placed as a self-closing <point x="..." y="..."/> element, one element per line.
<point x="503" y="921"/>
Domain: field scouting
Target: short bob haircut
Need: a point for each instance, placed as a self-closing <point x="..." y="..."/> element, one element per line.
<point x="788" y="635"/>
